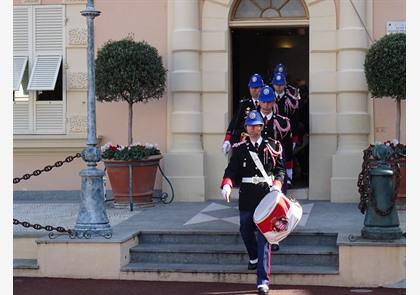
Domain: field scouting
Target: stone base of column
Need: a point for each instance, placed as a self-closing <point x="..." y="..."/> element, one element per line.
<point x="185" y="170"/>
<point x="381" y="233"/>
<point x="346" y="168"/>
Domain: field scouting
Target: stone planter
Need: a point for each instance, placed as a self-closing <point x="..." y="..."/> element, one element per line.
<point x="143" y="179"/>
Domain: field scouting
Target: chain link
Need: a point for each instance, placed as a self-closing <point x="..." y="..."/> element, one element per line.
<point x="46" y="168"/>
<point x="37" y="226"/>
<point x="364" y="183"/>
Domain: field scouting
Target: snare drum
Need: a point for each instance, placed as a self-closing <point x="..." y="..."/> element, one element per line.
<point x="274" y="207"/>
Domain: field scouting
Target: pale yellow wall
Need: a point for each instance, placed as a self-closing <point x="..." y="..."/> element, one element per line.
<point x="384" y="109"/>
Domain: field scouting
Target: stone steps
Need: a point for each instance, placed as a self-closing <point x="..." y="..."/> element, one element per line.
<point x="223" y="252"/>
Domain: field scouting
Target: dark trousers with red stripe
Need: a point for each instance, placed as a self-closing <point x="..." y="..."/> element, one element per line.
<point x="257" y="247"/>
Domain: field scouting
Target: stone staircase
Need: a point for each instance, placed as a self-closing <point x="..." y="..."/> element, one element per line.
<point x="223" y="253"/>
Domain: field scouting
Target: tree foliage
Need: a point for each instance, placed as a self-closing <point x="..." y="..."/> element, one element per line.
<point x="385" y="67"/>
<point x="129" y="71"/>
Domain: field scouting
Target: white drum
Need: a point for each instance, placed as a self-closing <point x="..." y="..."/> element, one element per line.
<point x="277" y="216"/>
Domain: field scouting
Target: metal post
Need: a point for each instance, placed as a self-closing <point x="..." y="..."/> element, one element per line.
<point x="130" y="193"/>
<point x="92" y="219"/>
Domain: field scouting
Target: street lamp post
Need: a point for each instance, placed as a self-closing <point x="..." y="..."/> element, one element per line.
<point x="92" y="219"/>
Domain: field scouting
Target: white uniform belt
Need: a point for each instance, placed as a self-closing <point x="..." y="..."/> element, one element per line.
<point x="254" y="180"/>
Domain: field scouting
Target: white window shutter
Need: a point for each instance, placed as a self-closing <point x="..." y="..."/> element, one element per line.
<point x="49" y="117"/>
<point x="19" y="66"/>
<point x="48" y="33"/>
<point x="21" y="29"/>
<point x="44" y="72"/>
<point x="21" y="117"/>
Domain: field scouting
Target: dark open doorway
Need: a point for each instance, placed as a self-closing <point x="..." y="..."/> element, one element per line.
<point x="258" y="50"/>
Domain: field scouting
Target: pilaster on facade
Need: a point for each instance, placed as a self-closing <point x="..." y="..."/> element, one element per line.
<point x="75" y="67"/>
<point x="353" y="121"/>
<point x="184" y="163"/>
<point x="323" y="96"/>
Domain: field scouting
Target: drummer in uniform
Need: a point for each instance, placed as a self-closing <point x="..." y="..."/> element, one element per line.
<point x="287" y="106"/>
<point x="236" y="125"/>
<point x="243" y="170"/>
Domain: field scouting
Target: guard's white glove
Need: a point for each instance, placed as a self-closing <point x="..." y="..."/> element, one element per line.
<point x="226" y="192"/>
<point x="294" y="145"/>
<point x="275" y="188"/>
<point x="226" y="146"/>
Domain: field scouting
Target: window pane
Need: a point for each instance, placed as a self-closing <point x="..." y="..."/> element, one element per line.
<point x="262" y="4"/>
<point x="271" y="13"/>
<point x="247" y="9"/>
<point x="22" y="94"/>
<point x="293" y="8"/>
<point x="278" y="3"/>
<point x="57" y="93"/>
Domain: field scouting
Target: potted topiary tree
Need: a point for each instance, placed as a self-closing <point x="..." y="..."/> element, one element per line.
<point x="132" y="72"/>
<point x="385" y="75"/>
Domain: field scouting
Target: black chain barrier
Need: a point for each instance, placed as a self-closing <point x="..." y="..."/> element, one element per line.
<point x="364" y="186"/>
<point x="50" y="228"/>
<point x="47" y="168"/>
<point x="37" y="226"/>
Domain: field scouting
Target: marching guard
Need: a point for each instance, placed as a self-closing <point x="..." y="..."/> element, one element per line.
<point x="275" y="126"/>
<point x="255" y="165"/>
<point x="236" y="125"/>
<point x="287" y="105"/>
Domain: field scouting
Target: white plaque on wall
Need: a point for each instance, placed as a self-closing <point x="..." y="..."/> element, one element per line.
<point x="395" y="27"/>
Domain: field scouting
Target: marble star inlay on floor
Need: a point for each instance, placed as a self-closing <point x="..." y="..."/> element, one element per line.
<point x="216" y="212"/>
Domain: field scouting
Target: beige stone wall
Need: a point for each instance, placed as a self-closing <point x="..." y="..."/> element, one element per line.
<point x="359" y="266"/>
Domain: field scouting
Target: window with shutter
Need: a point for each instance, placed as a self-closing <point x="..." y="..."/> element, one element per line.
<point x="38" y="47"/>
<point x="44" y="72"/>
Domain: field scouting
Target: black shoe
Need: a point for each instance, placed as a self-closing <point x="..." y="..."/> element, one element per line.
<point x="275" y="247"/>
<point x="252" y="266"/>
<point x="263" y="291"/>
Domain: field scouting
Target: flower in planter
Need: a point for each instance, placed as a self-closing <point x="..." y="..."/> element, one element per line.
<point x="398" y="148"/>
<point x="132" y="152"/>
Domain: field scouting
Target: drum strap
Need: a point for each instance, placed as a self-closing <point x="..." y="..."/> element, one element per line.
<point x="260" y="167"/>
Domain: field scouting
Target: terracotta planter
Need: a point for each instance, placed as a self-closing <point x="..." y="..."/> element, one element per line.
<point x="401" y="189"/>
<point x="143" y="175"/>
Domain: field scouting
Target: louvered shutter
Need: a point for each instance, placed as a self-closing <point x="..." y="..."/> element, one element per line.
<point x="44" y="72"/>
<point x="21" y="117"/>
<point x="49" y="117"/>
<point x="19" y="66"/>
<point x="49" y="29"/>
<point x="21" y="20"/>
<point x="21" y="51"/>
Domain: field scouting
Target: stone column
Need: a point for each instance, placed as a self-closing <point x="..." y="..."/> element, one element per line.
<point x="352" y="102"/>
<point x="184" y="163"/>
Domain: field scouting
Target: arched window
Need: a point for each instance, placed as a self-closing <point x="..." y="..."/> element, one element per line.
<point x="245" y="10"/>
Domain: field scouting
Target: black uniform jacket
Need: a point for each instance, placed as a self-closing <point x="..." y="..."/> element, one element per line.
<point x="291" y="94"/>
<point x="285" y="137"/>
<point x="236" y="125"/>
<point x="241" y="165"/>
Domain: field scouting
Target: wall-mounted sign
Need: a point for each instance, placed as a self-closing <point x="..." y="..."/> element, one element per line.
<point x="395" y="27"/>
